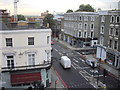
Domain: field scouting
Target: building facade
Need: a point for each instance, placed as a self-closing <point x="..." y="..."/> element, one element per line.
<point x="81" y="28"/>
<point x="109" y="37"/>
<point x="25" y="58"/>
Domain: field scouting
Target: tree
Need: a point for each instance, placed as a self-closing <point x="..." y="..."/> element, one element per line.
<point x="68" y="11"/>
<point x="49" y="20"/>
<point x="87" y="8"/>
<point x="21" y="17"/>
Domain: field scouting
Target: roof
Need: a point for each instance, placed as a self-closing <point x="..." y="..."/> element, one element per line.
<point x="3" y="26"/>
<point x="86" y="13"/>
<point x="65" y="57"/>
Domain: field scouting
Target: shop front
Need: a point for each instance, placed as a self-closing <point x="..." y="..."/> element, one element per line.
<point x="113" y="58"/>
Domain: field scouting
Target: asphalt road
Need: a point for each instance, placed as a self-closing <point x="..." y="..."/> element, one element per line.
<point x="80" y="75"/>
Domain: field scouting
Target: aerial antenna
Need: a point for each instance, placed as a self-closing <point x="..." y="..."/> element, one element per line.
<point x="15" y="10"/>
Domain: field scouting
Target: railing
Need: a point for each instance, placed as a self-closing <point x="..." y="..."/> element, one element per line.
<point x="45" y="65"/>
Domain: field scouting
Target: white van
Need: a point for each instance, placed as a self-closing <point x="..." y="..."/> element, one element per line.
<point x="89" y="62"/>
<point x="65" y="62"/>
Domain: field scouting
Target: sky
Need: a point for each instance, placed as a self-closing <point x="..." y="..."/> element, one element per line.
<point x="36" y="7"/>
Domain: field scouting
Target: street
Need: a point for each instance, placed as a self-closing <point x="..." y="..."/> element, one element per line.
<point x="80" y="75"/>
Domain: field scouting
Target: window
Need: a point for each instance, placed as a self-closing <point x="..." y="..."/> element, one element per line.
<point x="92" y="34"/>
<point x="85" y="26"/>
<point x="86" y="18"/>
<point x="118" y="19"/>
<point x="116" y="32"/>
<point x="112" y="19"/>
<point x="85" y="34"/>
<point x="111" y="31"/>
<point x="10" y="62"/>
<point x="115" y="45"/>
<point x="101" y="40"/>
<point x="80" y="18"/>
<point x="30" y="40"/>
<point x="92" y="18"/>
<point x="102" y="29"/>
<point x="92" y="26"/>
<point x="79" y="34"/>
<point x="9" y="42"/>
<point x="31" y="59"/>
<point x="48" y="56"/>
<point x="103" y="19"/>
<point x="80" y="25"/>
<point x="48" y="37"/>
<point x="110" y="43"/>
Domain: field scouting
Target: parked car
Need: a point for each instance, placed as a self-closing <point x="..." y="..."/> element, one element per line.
<point x="65" y="62"/>
<point x="91" y="61"/>
<point x="52" y="42"/>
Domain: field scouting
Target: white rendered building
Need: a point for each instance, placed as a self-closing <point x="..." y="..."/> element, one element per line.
<point x="25" y="57"/>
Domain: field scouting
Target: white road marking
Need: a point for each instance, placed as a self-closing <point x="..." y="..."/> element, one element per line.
<point x="73" y="66"/>
<point x="60" y="53"/>
<point x="83" y="76"/>
<point x="77" y="52"/>
<point x="85" y="67"/>
<point x="98" y="76"/>
<point x="56" y="49"/>
<point x="75" y="60"/>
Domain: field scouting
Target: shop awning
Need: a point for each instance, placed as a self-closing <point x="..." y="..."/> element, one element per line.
<point x="25" y="78"/>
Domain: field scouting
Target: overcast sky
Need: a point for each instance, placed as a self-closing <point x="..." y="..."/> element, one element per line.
<point x="36" y="7"/>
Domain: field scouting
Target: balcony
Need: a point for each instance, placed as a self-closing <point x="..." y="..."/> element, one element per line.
<point x="45" y="65"/>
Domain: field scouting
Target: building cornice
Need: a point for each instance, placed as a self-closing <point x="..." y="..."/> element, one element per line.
<point x="24" y="31"/>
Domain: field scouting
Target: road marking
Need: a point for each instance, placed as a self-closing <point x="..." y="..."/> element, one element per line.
<point x="87" y="73"/>
<point x="60" y="53"/>
<point x="98" y="76"/>
<point x="83" y="76"/>
<point x="85" y="67"/>
<point x="76" y="64"/>
<point x="78" y="53"/>
<point x="75" y="60"/>
<point x="73" y="66"/>
<point x="56" y="49"/>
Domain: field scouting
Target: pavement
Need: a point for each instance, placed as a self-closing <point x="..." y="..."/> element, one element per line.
<point x="57" y="82"/>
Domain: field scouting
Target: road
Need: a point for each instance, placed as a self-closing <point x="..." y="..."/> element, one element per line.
<point x="80" y="75"/>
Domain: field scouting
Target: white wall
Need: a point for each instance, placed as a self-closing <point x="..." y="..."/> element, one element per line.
<point x="20" y="41"/>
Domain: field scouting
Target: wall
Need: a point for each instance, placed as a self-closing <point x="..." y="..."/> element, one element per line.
<point x="20" y="46"/>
